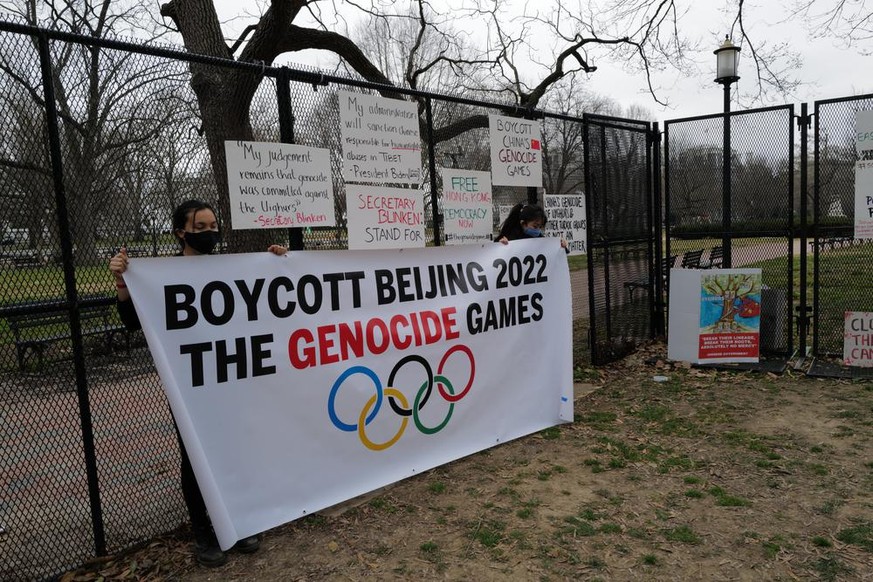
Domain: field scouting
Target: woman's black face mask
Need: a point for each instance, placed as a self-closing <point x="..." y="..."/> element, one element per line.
<point x="203" y="242"/>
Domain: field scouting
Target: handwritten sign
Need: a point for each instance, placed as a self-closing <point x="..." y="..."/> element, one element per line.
<point x="566" y="219"/>
<point x="467" y="209"/>
<point x="858" y="339"/>
<point x="384" y="218"/>
<point x="380" y="139"/>
<point x="516" y="158"/>
<point x="864" y="199"/>
<point x="864" y="134"/>
<point x="277" y="185"/>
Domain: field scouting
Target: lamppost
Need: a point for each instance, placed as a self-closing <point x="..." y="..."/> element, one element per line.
<point x="727" y="57"/>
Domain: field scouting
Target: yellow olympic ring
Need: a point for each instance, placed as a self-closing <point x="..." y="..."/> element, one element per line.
<point x="362" y="421"/>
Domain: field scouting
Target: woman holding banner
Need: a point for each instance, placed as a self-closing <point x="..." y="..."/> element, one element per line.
<point x="196" y="228"/>
<point x="524" y="221"/>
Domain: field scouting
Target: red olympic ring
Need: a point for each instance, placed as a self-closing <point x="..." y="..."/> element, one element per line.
<point x="462" y="393"/>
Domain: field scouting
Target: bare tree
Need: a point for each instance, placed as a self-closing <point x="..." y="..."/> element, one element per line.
<point x="642" y="35"/>
<point x="109" y="103"/>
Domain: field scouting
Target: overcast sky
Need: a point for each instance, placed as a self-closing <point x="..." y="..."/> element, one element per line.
<point x="828" y="70"/>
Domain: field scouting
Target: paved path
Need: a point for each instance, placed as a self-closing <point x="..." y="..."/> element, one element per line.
<point x="632" y="270"/>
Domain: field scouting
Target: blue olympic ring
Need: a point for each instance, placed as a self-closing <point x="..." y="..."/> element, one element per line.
<point x="398" y="401"/>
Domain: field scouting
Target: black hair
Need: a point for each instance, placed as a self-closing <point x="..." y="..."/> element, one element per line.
<point x="180" y="214"/>
<point x="521" y="212"/>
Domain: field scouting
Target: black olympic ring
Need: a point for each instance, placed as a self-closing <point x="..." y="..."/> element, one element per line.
<point x="395" y="406"/>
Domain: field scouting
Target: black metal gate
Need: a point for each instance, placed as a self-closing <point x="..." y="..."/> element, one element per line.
<point x="740" y="218"/>
<point x="842" y="279"/>
<point x="623" y="290"/>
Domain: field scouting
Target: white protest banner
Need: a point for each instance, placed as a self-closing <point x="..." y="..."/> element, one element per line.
<point x="380" y="139"/>
<point x="278" y="185"/>
<point x="467" y="208"/>
<point x="858" y="339"/>
<point x="566" y="219"/>
<point x="301" y="381"/>
<point x="864" y="199"/>
<point x="384" y="218"/>
<point x="516" y="158"/>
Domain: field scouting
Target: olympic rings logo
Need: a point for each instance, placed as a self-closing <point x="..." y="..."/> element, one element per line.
<point x="398" y="401"/>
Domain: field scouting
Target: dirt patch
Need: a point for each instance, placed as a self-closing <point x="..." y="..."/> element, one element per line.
<point x="707" y="476"/>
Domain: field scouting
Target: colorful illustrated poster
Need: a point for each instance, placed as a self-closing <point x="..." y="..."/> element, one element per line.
<point x="384" y="218"/>
<point x="566" y="220"/>
<point x="516" y="158"/>
<point x="380" y="139"/>
<point x="730" y="316"/>
<point x="467" y="208"/>
<point x="278" y="185"/>
<point x="858" y="339"/>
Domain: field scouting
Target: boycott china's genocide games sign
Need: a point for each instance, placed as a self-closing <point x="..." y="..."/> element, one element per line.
<point x="516" y="157"/>
<point x="301" y="381"/>
<point x="277" y="185"/>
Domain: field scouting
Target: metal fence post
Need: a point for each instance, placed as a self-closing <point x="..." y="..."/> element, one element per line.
<point x="54" y="139"/>
<point x="802" y="315"/>
<point x="431" y="164"/>
<point x="286" y="134"/>
<point x="657" y="216"/>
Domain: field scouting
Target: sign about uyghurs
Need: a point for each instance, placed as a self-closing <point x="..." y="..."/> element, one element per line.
<point x="277" y="185"/>
<point x="516" y="158"/>
<point x="467" y="208"/>
<point x="566" y="220"/>
<point x="858" y="339"/>
<point x="380" y="139"/>
<point x="384" y="218"/>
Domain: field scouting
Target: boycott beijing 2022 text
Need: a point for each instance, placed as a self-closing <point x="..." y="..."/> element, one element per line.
<point x="215" y="303"/>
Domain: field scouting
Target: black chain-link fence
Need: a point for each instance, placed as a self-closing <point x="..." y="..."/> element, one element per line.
<point x="740" y="218"/>
<point x="841" y="270"/>
<point x="102" y="139"/>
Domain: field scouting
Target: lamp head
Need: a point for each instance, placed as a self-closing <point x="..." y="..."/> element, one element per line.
<point x="727" y="58"/>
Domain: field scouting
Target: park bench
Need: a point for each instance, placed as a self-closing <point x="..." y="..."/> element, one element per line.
<point x="35" y="326"/>
<point x="832" y="242"/>
<point x="715" y="259"/>
<point x="26" y="259"/>
<point x="643" y="284"/>
<point x="691" y="259"/>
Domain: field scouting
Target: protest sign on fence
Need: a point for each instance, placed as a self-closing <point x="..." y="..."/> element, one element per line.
<point x="301" y="381"/>
<point x="278" y="185"/>
<point x="380" y="139"/>
<point x="566" y="220"/>
<point x="516" y="157"/>
<point x="468" y="215"/>
<point x="864" y="175"/>
<point x="858" y="339"/>
<point x="380" y="217"/>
